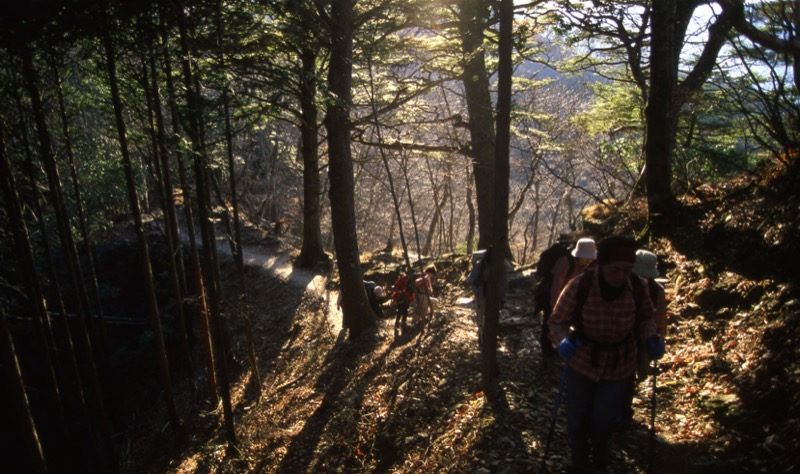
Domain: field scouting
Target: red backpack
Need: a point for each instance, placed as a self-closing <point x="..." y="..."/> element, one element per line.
<point x="401" y="289"/>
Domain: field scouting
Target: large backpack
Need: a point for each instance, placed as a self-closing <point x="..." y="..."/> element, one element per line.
<point x="477" y="275"/>
<point x="544" y="270"/>
<point x="401" y="289"/>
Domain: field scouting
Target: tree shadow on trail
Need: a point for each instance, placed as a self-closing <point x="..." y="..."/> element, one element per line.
<point x="339" y="364"/>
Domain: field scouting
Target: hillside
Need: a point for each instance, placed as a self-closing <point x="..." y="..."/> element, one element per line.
<point x="409" y="401"/>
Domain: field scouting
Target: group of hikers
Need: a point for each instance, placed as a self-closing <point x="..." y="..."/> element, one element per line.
<point x="409" y="289"/>
<point x="607" y="320"/>
<point x="603" y="311"/>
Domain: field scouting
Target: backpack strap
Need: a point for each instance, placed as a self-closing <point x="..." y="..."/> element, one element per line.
<point x="584" y="284"/>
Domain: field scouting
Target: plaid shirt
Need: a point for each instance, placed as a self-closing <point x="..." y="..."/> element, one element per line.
<point x="610" y="323"/>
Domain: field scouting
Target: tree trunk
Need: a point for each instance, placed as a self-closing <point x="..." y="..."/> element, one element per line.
<point x="659" y="124"/>
<point x="162" y="170"/>
<point x="87" y="244"/>
<point x="666" y="97"/>
<point x="436" y="218"/>
<point x="472" y="216"/>
<point x="311" y="251"/>
<point x="144" y="252"/>
<point x="385" y="159"/>
<point x="12" y="377"/>
<point x="45" y="343"/>
<point x="210" y="270"/>
<point x="497" y="268"/>
<point x="237" y="235"/>
<point x="186" y="195"/>
<point x="472" y="22"/>
<point x="357" y="314"/>
<point x="67" y="243"/>
<point x="73" y="377"/>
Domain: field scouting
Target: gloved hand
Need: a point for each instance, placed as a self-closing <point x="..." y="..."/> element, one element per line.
<point x="655" y="345"/>
<point x="568" y="347"/>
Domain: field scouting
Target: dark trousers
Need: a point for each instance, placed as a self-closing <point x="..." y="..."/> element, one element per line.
<point x="593" y="409"/>
<point x="402" y="311"/>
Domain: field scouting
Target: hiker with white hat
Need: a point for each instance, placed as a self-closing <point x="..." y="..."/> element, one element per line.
<point x="376" y="296"/>
<point x="563" y="265"/>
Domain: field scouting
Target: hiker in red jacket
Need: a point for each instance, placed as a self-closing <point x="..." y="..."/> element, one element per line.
<point x="607" y="309"/>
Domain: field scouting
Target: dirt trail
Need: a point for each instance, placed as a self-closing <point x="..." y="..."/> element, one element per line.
<point x="278" y="262"/>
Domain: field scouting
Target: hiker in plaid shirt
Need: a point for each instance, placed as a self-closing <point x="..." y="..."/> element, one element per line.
<point x="595" y="326"/>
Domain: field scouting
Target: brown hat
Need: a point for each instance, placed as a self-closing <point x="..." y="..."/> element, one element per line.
<point x="617" y="249"/>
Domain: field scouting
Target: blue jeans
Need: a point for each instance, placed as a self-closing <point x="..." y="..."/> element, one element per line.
<point x="593" y="408"/>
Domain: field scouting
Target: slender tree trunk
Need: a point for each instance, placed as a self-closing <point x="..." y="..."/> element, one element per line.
<point x="237" y="235"/>
<point x="437" y="210"/>
<point x="472" y="22"/>
<point x="161" y="161"/>
<point x="12" y="377"/>
<point x="357" y="314"/>
<point x="216" y="325"/>
<point x="67" y="242"/>
<point x="311" y="250"/>
<point x="39" y="317"/>
<point x="73" y="378"/>
<point x="186" y="195"/>
<point x="472" y="216"/>
<point x="144" y="252"/>
<point x="87" y="243"/>
<point x="497" y="268"/>
<point x="409" y="194"/>
<point x="385" y="159"/>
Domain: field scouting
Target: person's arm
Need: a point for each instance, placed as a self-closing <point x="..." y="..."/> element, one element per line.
<point x="560" y="321"/>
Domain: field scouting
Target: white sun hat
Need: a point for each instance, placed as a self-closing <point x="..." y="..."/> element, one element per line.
<point x="585" y="248"/>
<point x="646" y="265"/>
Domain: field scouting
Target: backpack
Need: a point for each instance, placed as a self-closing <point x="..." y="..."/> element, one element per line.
<point x="544" y="270"/>
<point x="369" y="286"/>
<point x="401" y="289"/>
<point x="549" y="257"/>
<point x="476" y="277"/>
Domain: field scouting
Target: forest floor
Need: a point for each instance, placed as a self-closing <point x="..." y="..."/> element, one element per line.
<point x="409" y="400"/>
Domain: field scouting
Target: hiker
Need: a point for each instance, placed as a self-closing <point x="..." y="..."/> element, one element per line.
<point x="477" y="279"/>
<point x="402" y="297"/>
<point x="646" y="267"/>
<point x="608" y="309"/>
<point x="564" y="267"/>
<point x="375" y="295"/>
<point x="425" y="303"/>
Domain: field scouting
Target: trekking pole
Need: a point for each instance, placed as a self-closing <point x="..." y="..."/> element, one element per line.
<point x="553" y="418"/>
<point x="653" y="420"/>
